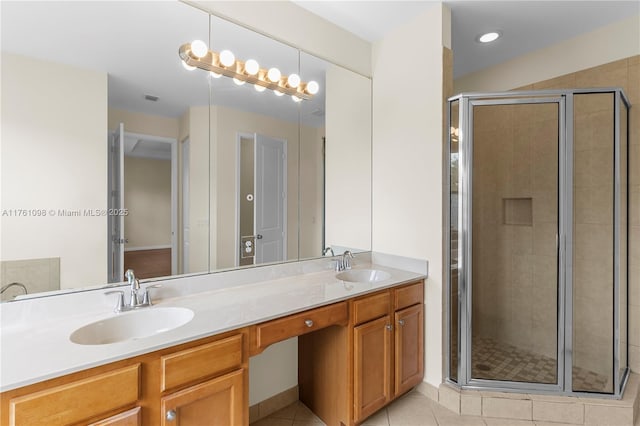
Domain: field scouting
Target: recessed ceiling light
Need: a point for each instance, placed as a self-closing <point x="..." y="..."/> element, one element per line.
<point x="488" y="37"/>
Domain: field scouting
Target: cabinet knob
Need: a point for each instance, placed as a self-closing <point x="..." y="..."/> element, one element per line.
<point x="309" y="323"/>
<point x="171" y="415"/>
<point x="388" y="327"/>
<point x="401" y="322"/>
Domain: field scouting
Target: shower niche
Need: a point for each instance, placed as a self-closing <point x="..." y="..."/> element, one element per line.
<point x="538" y="241"/>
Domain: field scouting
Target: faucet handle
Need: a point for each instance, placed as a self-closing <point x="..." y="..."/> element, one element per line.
<point x="146" y="299"/>
<point x="120" y="303"/>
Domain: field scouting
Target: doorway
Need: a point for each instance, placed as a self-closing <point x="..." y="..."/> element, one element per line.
<point x="261" y="199"/>
<point x="143" y="203"/>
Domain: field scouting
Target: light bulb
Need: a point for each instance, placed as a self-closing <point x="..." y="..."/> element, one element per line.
<point x="227" y="58"/>
<point x="187" y="66"/>
<point x="295" y="98"/>
<point x="199" y="49"/>
<point x="293" y="81"/>
<point x="278" y="93"/>
<point x="259" y="88"/>
<point x="238" y="81"/>
<point x="312" y="87"/>
<point x="251" y="67"/>
<point x="214" y="74"/>
<point x="274" y="75"/>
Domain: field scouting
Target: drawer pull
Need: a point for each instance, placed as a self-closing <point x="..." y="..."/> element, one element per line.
<point x="171" y="415"/>
<point x="309" y="323"/>
<point x="388" y="327"/>
<point x="401" y="322"/>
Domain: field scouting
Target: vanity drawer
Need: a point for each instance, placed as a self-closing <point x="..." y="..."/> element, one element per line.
<point x="371" y="307"/>
<point x="299" y="324"/>
<point x="201" y="362"/>
<point x="408" y="295"/>
<point x="77" y="401"/>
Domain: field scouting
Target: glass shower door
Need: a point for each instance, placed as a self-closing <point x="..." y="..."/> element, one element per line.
<point x="514" y="240"/>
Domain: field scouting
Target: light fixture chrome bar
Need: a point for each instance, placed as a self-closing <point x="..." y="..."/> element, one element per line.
<point x="211" y="62"/>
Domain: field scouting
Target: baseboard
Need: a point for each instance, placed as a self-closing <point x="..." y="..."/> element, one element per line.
<point x="428" y="390"/>
<point x="270" y="405"/>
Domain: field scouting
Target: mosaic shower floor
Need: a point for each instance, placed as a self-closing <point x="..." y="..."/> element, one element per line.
<point x="499" y="361"/>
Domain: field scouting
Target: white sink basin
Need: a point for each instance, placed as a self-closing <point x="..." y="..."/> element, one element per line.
<point x="131" y="325"/>
<point x="363" y="275"/>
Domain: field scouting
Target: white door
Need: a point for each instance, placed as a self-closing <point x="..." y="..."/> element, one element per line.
<point x="116" y="203"/>
<point x="185" y="207"/>
<point x="270" y="201"/>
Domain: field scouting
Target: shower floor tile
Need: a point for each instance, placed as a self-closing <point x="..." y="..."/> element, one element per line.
<point x="500" y="361"/>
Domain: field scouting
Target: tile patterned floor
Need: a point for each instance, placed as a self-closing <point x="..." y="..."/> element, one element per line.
<point x="413" y="409"/>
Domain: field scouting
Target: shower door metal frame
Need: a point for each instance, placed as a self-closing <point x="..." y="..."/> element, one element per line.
<point x="564" y="246"/>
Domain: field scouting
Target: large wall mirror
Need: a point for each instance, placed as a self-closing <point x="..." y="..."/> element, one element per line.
<point x="115" y="156"/>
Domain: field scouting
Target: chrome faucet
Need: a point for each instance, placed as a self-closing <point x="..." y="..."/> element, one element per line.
<point x="327" y="250"/>
<point x="344" y="262"/>
<point x="134" y="301"/>
<point x="134" y="284"/>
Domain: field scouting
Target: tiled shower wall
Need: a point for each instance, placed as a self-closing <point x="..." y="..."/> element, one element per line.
<point x="515" y="301"/>
<point x="514" y="225"/>
<point x="624" y="73"/>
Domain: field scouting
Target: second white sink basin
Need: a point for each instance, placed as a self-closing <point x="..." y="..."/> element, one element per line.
<point x="363" y="275"/>
<point x="132" y="325"/>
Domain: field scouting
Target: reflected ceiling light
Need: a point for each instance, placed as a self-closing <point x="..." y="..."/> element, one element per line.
<point x="488" y="37"/>
<point x="225" y="63"/>
<point x="251" y="67"/>
<point x="199" y="48"/>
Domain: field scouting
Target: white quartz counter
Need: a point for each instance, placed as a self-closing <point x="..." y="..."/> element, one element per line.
<point x="36" y="346"/>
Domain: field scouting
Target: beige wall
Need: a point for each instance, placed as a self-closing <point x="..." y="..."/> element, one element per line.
<point x="194" y="126"/>
<point x="348" y="165"/>
<point x="311" y="192"/>
<point x="147" y="197"/>
<point x="145" y="124"/>
<point x="408" y="158"/>
<point x="48" y="164"/>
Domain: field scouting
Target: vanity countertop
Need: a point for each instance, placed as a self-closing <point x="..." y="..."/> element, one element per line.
<point x="40" y="349"/>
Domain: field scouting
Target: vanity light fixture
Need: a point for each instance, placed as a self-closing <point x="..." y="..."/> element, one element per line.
<point x="197" y="55"/>
<point x="488" y="37"/>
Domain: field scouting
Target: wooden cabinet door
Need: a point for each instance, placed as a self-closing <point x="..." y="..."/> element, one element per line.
<point x="372" y="366"/>
<point x="219" y="401"/>
<point x="128" y="418"/>
<point x="409" y="348"/>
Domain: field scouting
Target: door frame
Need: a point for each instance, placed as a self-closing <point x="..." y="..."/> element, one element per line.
<point x="465" y="190"/>
<point x="236" y="237"/>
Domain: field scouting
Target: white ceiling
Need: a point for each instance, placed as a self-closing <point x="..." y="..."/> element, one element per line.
<point x="136" y="43"/>
<point x="526" y="25"/>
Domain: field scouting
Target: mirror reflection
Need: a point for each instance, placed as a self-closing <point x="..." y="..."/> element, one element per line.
<point x="115" y="156"/>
